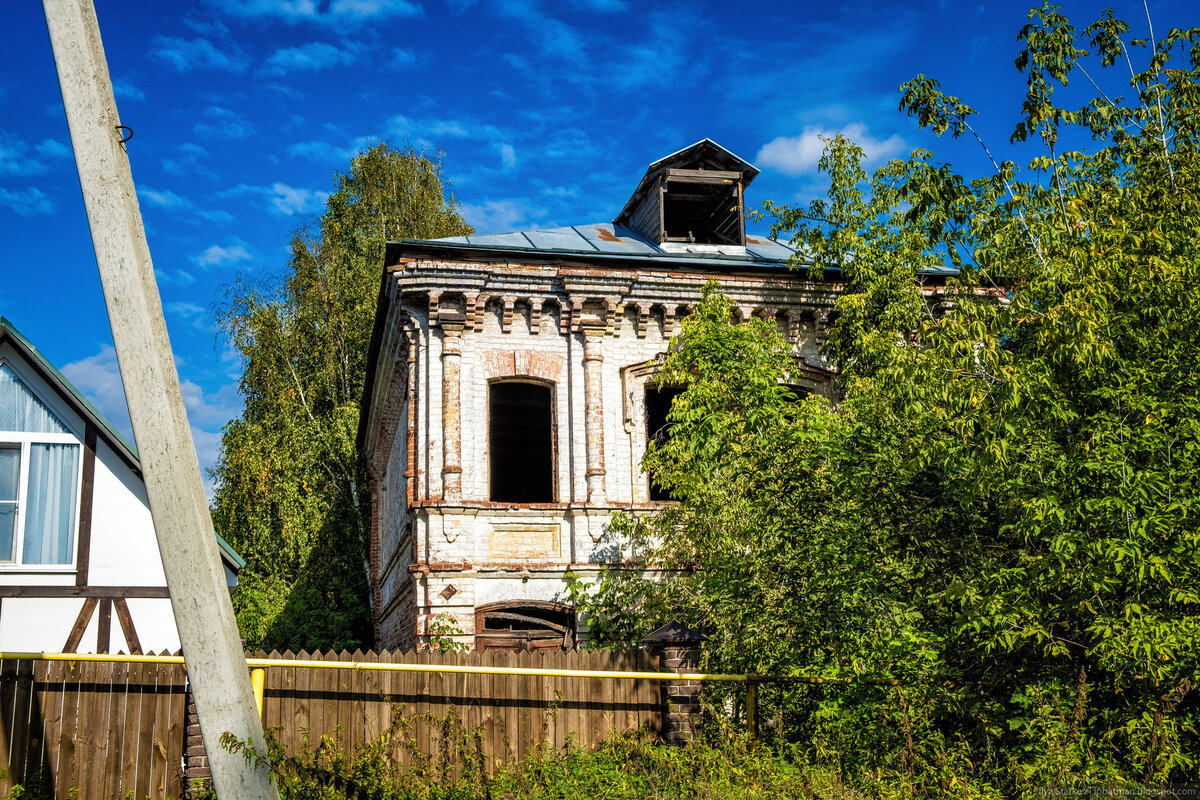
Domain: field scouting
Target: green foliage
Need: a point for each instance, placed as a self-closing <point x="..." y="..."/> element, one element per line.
<point x="291" y="495"/>
<point x="446" y="634"/>
<point x="393" y="767"/>
<point x="1002" y="510"/>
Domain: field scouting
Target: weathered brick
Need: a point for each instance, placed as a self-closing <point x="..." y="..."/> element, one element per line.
<point x="590" y="333"/>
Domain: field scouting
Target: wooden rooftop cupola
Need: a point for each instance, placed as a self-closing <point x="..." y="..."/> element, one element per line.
<point x="692" y="196"/>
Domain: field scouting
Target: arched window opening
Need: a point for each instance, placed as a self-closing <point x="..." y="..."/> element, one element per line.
<point x="658" y="406"/>
<point x="521" y="442"/>
<point x="526" y="625"/>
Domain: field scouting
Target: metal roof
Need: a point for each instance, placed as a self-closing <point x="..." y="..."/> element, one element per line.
<point x="89" y="411"/>
<point x="605" y="239"/>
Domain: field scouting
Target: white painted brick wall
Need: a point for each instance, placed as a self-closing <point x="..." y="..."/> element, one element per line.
<point x="456" y="541"/>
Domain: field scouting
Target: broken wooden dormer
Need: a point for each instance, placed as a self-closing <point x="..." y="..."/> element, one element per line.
<point x="693" y="196"/>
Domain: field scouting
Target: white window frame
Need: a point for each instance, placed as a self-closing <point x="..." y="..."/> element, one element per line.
<point x="24" y="441"/>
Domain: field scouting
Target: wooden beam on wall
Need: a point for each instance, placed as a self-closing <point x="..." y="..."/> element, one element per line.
<point x="83" y="558"/>
<point x="81" y="622"/>
<point x="127" y="629"/>
<point x="84" y="591"/>
<point x="104" y="625"/>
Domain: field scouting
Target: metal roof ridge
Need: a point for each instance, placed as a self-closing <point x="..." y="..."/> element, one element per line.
<point x="71" y="389"/>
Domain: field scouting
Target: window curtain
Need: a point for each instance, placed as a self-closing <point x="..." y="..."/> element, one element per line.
<point x="50" y="503"/>
<point x="20" y="410"/>
<point x="10" y="477"/>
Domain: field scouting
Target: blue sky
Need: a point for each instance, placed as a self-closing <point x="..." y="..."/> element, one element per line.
<point x="547" y="112"/>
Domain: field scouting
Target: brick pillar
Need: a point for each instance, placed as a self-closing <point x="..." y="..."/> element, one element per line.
<point x="197" y="777"/>
<point x="678" y="650"/>
<point x="451" y="412"/>
<point x="593" y="404"/>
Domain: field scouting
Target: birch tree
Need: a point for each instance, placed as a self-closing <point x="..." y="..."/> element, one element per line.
<point x="290" y="493"/>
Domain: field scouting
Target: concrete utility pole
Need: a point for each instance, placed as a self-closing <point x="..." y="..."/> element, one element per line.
<point x="195" y="577"/>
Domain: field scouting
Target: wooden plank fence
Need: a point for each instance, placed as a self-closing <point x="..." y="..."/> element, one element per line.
<point x="514" y="714"/>
<point x="105" y="730"/>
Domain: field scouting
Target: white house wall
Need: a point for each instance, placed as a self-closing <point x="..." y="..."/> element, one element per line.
<point x="124" y="548"/>
<point x="123" y="553"/>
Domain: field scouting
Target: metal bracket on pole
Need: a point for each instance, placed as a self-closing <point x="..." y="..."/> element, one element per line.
<point x="195" y="577"/>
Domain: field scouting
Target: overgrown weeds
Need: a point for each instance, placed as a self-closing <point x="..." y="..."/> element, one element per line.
<point x="721" y="766"/>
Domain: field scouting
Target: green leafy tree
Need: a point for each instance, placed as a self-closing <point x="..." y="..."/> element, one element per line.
<point x="1002" y="511"/>
<point x="290" y="494"/>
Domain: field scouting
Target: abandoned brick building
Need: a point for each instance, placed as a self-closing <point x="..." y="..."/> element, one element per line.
<point x="511" y="392"/>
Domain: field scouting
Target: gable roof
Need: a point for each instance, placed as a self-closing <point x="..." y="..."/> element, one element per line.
<point x="704" y="154"/>
<point x="114" y="438"/>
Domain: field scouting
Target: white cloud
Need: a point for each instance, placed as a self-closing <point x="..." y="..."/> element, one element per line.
<point x="174" y="277"/>
<point x="211" y="409"/>
<point x="186" y="55"/>
<point x="194" y="315"/>
<point x="372" y="9"/>
<point x="602" y="6"/>
<point x="402" y="126"/>
<point x="319" y="151"/>
<point x="797" y="155"/>
<point x="26" y="202"/>
<point x="216" y="255"/>
<point x="187" y="160"/>
<point x="339" y="12"/>
<point x="15" y="158"/>
<point x="290" y="200"/>
<point x="508" y="156"/>
<point x="207" y="26"/>
<point x="402" y="57"/>
<point x="311" y="57"/>
<point x="52" y="148"/>
<point x="223" y="123"/>
<point x="284" y="199"/>
<point x="124" y="89"/>
<point x="208" y="450"/>
<point x="499" y="216"/>
<point x="189" y="311"/>
<point x="163" y="198"/>
<point x="168" y="200"/>
<point x="207" y="414"/>
<point x="99" y="378"/>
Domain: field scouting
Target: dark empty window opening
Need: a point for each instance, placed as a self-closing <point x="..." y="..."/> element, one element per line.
<point x="524" y="626"/>
<point x="658" y="405"/>
<point x="797" y="391"/>
<point x="521" y="442"/>
<point x="703" y="213"/>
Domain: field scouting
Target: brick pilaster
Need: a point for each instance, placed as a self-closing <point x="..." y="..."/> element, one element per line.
<point x="197" y="777"/>
<point x="678" y="650"/>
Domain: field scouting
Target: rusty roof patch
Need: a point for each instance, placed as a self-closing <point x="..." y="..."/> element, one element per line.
<point x="606" y="235"/>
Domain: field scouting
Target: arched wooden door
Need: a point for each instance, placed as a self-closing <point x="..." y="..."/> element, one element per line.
<point x="522" y="625"/>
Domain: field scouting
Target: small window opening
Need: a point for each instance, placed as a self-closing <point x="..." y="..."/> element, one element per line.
<point x="658" y="406"/>
<point x="521" y="442"/>
<point x="797" y="392"/>
<point x="524" y="626"/>
<point x="702" y="213"/>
